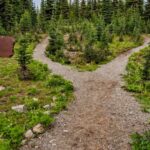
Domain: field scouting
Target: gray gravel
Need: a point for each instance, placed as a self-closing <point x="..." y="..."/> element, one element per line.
<point x="103" y="115"/>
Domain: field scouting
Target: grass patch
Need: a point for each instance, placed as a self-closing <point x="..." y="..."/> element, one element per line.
<point x="44" y="89"/>
<point x="134" y="79"/>
<point x="141" y="142"/>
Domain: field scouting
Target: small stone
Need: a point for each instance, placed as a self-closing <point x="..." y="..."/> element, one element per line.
<point x="19" y="108"/>
<point x="47" y="112"/>
<point x="36" y="147"/>
<point x="29" y="134"/>
<point x="35" y="99"/>
<point x="53" y="104"/>
<point x="130" y="113"/>
<point x="46" y="107"/>
<point x="53" y="144"/>
<point x="23" y="142"/>
<point x="54" y="98"/>
<point x="52" y="141"/>
<point x="38" y="129"/>
<point x="66" y="131"/>
<point x="2" y="88"/>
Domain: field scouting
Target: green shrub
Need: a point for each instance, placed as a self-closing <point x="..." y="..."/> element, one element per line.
<point x="38" y="116"/>
<point x="24" y="58"/>
<point x="94" y="53"/>
<point x="55" y="80"/>
<point x="32" y="91"/>
<point x="56" y="42"/>
<point x="141" y="142"/>
<point x="146" y="70"/>
<point x="5" y="145"/>
<point x="134" y="78"/>
<point x="10" y="130"/>
<point x="38" y="70"/>
<point x="31" y="104"/>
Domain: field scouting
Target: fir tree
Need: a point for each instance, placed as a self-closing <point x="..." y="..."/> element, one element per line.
<point x="147" y="10"/>
<point x="49" y="9"/>
<point x="83" y="9"/>
<point x="107" y="10"/>
<point x="23" y="58"/>
<point x="65" y="9"/>
<point x="146" y="70"/>
<point x="76" y="8"/>
<point x="25" y="22"/>
<point x="115" y="6"/>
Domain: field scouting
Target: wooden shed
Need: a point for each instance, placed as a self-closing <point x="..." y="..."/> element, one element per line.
<point x="6" y="46"/>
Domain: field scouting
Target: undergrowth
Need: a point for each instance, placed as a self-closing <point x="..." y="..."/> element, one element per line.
<point x="137" y="82"/>
<point x="43" y="89"/>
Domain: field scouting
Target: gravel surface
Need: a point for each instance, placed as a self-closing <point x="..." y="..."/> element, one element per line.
<point x="103" y="115"/>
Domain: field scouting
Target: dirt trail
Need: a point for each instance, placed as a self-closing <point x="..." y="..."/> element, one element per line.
<point x="103" y="115"/>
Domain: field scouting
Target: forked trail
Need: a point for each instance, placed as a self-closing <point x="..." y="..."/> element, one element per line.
<point x="103" y="115"/>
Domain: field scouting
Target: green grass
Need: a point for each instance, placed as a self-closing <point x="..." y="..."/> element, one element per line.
<point x="117" y="47"/>
<point x="86" y="67"/>
<point x="141" y="89"/>
<point x="134" y="81"/>
<point x="141" y="142"/>
<point x="34" y="94"/>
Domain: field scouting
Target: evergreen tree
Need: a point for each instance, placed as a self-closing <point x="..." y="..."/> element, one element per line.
<point x="147" y="10"/>
<point x="42" y="16"/>
<point x="23" y="58"/>
<point x="141" y="6"/>
<point x="8" y="18"/>
<point x="83" y="9"/>
<point x="65" y="9"/>
<point x="100" y="27"/>
<point x="121" y="6"/>
<point x="34" y="16"/>
<point x="89" y="9"/>
<point x="49" y="9"/>
<point x="138" y="4"/>
<point x="26" y="4"/>
<point x="146" y="70"/>
<point x="107" y="10"/>
<point x="115" y="6"/>
<point x="94" y="7"/>
<point x="76" y="8"/>
<point x="25" y="22"/>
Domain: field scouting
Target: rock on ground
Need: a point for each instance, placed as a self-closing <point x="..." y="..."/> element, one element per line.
<point x="2" y="88"/>
<point x="29" y="134"/>
<point x="19" y="108"/>
<point x="38" y="129"/>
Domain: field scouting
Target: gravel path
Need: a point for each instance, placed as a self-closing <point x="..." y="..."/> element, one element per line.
<point x="103" y="115"/>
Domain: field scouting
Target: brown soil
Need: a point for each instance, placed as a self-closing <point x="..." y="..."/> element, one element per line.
<point x="103" y="115"/>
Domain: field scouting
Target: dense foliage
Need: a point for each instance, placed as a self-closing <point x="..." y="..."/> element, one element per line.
<point x="138" y="77"/>
<point x="16" y="15"/>
<point x="88" y="43"/>
<point x="141" y="142"/>
<point x="22" y="15"/>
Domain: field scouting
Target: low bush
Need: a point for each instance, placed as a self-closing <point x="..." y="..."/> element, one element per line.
<point x="139" y="84"/>
<point x="135" y="82"/>
<point x="39" y="71"/>
<point x="141" y="141"/>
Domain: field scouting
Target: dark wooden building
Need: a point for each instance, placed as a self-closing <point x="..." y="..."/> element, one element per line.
<point x="6" y="46"/>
